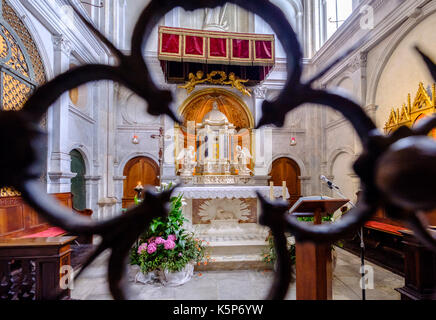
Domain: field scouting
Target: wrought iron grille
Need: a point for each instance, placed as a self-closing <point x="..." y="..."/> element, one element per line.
<point x="397" y="172"/>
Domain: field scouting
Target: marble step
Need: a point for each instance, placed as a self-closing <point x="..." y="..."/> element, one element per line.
<point x="235" y="262"/>
<point x="238" y="254"/>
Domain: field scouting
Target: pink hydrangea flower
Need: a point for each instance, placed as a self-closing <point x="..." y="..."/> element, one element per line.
<point x="142" y="248"/>
<point x="159" y="240"/>
<point x="180" y="254"/>
<point x="172" y="237"/>
<point x="151" y="248"/>
<point x="169" y="245"/>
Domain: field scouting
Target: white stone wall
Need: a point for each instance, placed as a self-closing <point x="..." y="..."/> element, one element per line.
<point x="378" y="75"/>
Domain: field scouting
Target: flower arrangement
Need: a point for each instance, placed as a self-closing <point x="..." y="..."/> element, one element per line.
<point x="270" y="255"/>
<point x="166" y="245"/>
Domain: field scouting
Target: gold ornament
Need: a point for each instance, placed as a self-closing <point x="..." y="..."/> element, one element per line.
<point x="232" y="80"/>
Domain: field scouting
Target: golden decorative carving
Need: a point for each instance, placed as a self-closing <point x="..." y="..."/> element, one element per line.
<point x="423" y="105"/>
<point x="16" y="61"/>
<point x="19" y="27"/>
<point x="9" y="192"/>
<point x="15" y="92"/>
<point x="223" y="79"/>
<point x="200" y="103"/>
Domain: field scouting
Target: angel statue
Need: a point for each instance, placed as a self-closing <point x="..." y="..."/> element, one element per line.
<point x="189" y="163"/>
<point x="238" y="84"/>
<point x="193" y="81"/>
<point x="243" y="157"/>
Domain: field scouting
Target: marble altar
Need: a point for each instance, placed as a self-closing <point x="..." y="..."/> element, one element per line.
<point x="223" y="211"/>
<point x="215" y="167"/>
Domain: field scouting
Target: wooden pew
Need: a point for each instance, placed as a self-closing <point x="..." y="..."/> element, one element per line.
<point x="18" y="220"/>
<point x="419" y="269"/>
<point x="384" y="241"/>
<point x="32" y="251"/>
<point x="31" y="269"/>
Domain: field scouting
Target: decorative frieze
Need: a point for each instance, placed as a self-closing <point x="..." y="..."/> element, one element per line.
<point x="260" y="92"/>
<point x="61" y="43"/>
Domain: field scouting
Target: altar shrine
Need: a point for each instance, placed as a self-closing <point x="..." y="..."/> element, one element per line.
<point x="214" y="161"/>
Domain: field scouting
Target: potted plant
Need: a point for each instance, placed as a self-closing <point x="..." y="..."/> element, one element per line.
<point x="270" y="255"/>
<point x="166" y="251"/>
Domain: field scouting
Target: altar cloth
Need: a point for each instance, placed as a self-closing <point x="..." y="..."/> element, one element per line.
<point x="228" y="192"/>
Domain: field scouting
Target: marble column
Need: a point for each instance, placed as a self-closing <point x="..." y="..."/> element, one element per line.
<point x="119" y="190"/>
<point x="262" y="139"/>
<point x="59" y="169"/>
<point x="168" y="164"/>
<point x="259" y="96"/>
<point x="92" y="193"/>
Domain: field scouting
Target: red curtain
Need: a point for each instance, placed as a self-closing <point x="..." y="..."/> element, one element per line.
<point x="194" y="45"/>
<point x="263" y="49"/>
<point x="170" y="43"/>
<point x="241" y="49"/>
<point x="218" y="47"/>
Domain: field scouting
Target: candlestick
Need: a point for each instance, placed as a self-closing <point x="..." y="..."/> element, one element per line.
<point x="284" y="190"/>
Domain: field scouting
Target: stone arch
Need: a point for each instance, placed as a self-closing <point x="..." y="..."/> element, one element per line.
<point x="346" y="180"/>
<point x="142" y="170"/>
<point x="83" y="150"/>
<point x="78" y="183"/>
<point x="297" y="160"/>
<point x="30" y="39"/>
<point x="335" y="154"/>
<point x="393" y="44"/>
<point x="286" y="169"/>
<point x="240" y="114"/>
<point x="130" y="156"/>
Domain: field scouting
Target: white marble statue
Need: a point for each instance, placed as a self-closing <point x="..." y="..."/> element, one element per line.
<point x="243" y="157"/>
<point x="188" y="157"/>
<point x="216" y="19"/>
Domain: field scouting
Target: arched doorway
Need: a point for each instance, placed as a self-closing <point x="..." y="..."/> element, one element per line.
<point x="238" y="130"/>
<point x="285" y="169"/>
<point x="140" y="169"/>
<point x="78" y="186"/>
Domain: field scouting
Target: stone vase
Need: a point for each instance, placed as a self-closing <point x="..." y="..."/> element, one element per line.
<point x="174" y="279"/>
<point x="135" y="275"/>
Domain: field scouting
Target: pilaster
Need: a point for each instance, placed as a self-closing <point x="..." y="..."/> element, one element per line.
<point x="59" y="169"/>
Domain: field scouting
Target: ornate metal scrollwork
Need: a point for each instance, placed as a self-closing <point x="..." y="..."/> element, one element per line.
<point x="386" y="164"/>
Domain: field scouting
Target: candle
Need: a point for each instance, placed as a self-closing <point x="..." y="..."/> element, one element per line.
<point x="284" y="190"/>
<point x="271" y="190"/>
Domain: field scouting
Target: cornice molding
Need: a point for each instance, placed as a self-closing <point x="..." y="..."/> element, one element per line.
<point x="385" y="27"/>
<point x="83" y="42"/>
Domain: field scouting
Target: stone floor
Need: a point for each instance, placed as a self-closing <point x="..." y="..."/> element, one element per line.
<point x="239" y="285"/>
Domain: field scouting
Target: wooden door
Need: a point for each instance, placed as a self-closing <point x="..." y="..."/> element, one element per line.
<point x="141" y="169"/>
<point x="285" y="169"/>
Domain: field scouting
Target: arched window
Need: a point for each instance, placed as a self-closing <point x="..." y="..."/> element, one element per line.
<point x="21" y="66"/>
<point x="337" y="11"/>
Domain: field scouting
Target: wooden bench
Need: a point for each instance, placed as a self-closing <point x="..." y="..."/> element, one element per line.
<point x="18" y="220"/>
<point x="384" y="241"/>
<point x="31" y="269"/>
<point x="32" y="251"/>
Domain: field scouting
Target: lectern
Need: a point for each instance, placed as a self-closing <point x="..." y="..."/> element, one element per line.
<point x="314" y="261"/>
